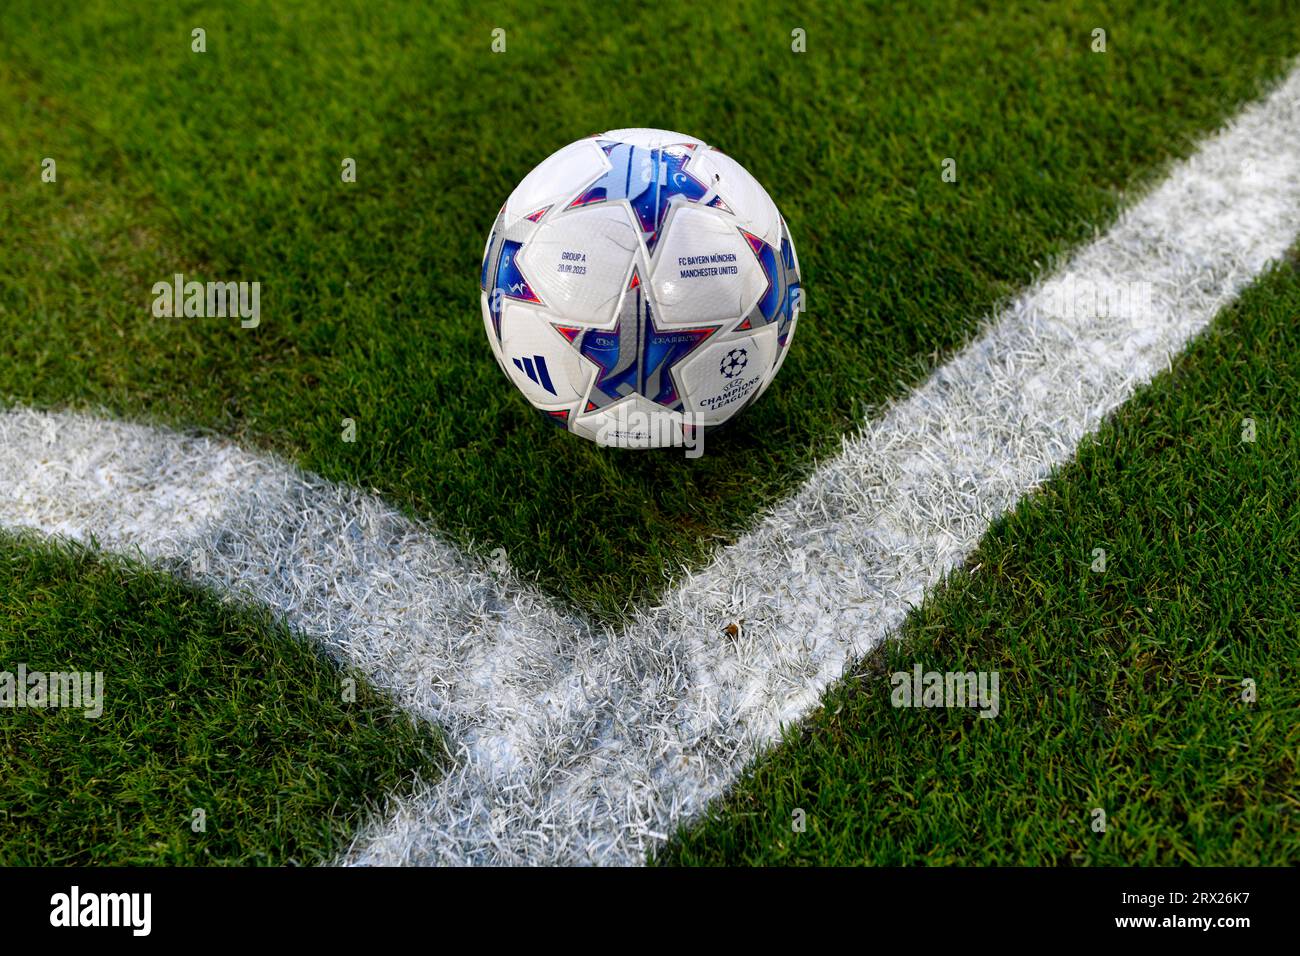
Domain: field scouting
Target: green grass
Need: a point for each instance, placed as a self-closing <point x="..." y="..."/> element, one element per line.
<point x="207" y="707"/>
<point x="226" y="165"/>
<point x="1120" y="690"/>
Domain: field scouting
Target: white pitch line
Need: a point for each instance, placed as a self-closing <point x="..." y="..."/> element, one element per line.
<point x="584" y="745"/>
<point x="422" y="620"/>
<point x="827" y="575"/>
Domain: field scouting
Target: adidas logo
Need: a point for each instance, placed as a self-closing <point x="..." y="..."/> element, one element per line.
<point x="535" y="368"/>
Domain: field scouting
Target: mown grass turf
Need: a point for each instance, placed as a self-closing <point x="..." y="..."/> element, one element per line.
<point x="226" y="164"/>
<point x="1120" y="690"/>
<point x="206" y="707"/>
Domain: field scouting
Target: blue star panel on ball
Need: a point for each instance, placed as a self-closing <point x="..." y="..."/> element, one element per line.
<point x="640" y="271"/>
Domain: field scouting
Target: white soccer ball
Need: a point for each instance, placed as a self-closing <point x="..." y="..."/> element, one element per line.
<point x="637" y="284"/>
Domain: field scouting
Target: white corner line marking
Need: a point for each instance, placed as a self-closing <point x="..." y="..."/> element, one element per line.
<point x="577" y="744"/>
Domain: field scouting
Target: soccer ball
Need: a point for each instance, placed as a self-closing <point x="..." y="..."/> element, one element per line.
<point x="639" y="284"/>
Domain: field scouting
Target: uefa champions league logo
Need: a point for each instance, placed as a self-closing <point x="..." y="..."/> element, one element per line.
<point x="734" y="362"/>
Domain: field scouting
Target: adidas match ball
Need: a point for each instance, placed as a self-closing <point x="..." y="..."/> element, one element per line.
<point x="638" y="285"/>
